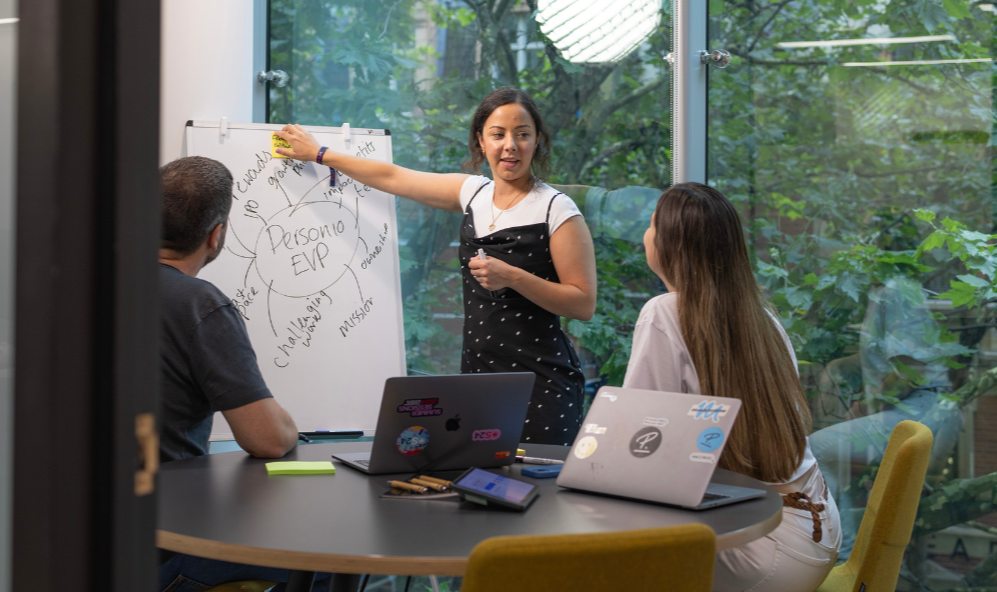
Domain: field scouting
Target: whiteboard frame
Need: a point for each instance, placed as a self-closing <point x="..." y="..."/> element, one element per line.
<point x="188" y="147"/>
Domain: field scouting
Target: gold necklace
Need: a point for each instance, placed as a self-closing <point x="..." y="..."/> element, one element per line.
<point x="494" y="217"/>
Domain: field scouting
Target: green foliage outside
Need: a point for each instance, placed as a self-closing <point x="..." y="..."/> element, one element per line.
<point x="851" y="179"/>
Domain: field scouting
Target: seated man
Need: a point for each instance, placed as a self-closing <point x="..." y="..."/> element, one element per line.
<point x="208" y="363"/>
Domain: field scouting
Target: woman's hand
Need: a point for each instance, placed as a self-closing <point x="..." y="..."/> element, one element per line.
<point x="303" y="144"/>
<point x="493" y="274"/>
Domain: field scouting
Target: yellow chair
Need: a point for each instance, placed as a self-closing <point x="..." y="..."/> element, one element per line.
<point x="247" y="586"/>
<point x="678" y="558"/>
<point x="874" y="564"/>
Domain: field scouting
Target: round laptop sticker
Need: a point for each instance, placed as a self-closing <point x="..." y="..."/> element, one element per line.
<point x="586" y="447"/>
<point x="645" y="442"/>
<point x="710" y="439"/>
<point x="413" y="440"/>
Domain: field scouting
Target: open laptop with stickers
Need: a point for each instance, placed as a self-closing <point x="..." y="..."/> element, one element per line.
<point x="439" y="423"/>
<point x="654" y="446"/>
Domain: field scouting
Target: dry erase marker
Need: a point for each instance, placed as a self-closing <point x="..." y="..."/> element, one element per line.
<point x="481" y="255"/>
<point x="408" y="486"/>
<point x="532" y="460"/>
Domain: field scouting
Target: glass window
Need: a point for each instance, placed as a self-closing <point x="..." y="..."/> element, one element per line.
<point x="420" y="69"/>
<point x="856" y="138"/>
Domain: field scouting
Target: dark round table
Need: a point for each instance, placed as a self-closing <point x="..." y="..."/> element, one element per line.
<point x="225" y="506"/>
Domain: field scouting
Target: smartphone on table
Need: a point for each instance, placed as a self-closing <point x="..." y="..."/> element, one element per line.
<point x="484" y="487"/>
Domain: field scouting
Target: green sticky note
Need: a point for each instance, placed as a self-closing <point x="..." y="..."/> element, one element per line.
<point x="300" y="468"/>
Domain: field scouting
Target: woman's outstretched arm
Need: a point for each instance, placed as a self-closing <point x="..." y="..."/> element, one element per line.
<point x="437" y="190"/>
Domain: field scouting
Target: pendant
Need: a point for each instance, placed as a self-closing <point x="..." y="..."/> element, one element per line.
<point x="492" y="227"/>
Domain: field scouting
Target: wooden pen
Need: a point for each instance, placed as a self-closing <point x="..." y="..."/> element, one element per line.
<point x="430" y="484"/>
<point x="409" y="486"/>
<point x="434" y="480"/>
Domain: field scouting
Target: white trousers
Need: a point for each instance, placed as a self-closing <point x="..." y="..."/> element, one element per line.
<point x="787" y="559"/>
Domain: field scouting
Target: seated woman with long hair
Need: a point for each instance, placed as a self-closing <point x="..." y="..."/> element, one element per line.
<point x="713" y="334"/>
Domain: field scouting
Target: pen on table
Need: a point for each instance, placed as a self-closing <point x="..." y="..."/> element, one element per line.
<point x="481" y="255"/>
<point x="532" y="460"/>
<point x="409" y="486"/>
<point x="434" y="480"/>
<point x="434" y="486"/>
<point x="303" y="438"/>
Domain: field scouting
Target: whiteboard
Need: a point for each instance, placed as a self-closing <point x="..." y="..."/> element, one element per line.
<point x="313" y="270"/>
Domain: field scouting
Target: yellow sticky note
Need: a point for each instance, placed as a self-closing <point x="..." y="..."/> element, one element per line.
<point x="278" y="142"/>
<point x="520" y="452"/>
<point x="300" y="468"/>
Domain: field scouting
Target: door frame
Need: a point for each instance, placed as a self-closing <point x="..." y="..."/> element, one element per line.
<point x="86" y="293"/>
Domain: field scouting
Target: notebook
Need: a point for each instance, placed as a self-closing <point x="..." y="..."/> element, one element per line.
<point x="654" y="446"/>
<point x="438" y="423"/>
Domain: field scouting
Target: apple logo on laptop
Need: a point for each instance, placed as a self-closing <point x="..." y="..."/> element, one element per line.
<point x="453" y="424"/>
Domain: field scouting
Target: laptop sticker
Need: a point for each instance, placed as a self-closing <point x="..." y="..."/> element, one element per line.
<point x="485" y="435"/>
<point x="703" y="457"/>
<point x="413" y="440"/>
<point x="594" y="428"/>
<point x="586" y="447"/>
<point x="709" y="410"/>
<point x="645" y="442"/>
<point x="420" y="407"/>
<point x="656" y="421"/>
<point x="710" y="439"/>
<point x="503" y="454"/>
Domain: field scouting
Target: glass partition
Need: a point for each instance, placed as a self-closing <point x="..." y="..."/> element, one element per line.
<point x="856" y="138"/>
<point x="420" y="69"/>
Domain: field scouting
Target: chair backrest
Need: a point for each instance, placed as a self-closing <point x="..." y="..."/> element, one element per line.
<point x="889" y="515"/>
<point x="679" y="558"/>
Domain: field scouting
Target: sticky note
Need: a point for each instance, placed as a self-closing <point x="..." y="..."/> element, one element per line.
<point x="520" y="452"/>
<point x="300" y="468"/>
<point x="278" y="142"/>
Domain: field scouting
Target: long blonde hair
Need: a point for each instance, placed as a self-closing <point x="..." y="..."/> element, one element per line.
<point x="735" y="346"/>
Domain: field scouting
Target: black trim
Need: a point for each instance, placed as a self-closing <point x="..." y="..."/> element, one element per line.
<point x="86" y="292"/>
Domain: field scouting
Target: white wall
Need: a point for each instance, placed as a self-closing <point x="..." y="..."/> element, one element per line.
<point x="207" y="66"/>
<point x="8" y="168"/>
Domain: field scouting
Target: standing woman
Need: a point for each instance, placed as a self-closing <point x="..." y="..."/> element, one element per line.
<point x="713" y="334"/>
<point x="539" y="265"/>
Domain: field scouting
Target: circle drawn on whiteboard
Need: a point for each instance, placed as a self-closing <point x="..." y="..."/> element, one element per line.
<point x="306" y="248"/>
<point x="645" y="442"/>
<point x="710" y="439"/>
<point x="586" y="447"/>
<point x="413" y="440"/>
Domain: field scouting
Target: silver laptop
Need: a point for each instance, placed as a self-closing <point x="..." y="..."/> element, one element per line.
<point x="439" y="423"/>
<point x="654" y="446"/>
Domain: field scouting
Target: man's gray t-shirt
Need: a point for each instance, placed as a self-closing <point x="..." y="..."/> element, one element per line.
<point x="208" y="363"/>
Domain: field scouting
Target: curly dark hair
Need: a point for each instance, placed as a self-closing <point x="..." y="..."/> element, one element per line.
<point x="540" y="165"/>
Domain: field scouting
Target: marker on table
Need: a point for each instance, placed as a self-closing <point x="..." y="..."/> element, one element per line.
<point x="532" y="460"/>
<point x="481" y="255"/>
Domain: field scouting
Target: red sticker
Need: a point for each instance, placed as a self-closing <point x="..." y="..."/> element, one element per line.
<point x="485" y="435"/>
<point x="503" y="454"/>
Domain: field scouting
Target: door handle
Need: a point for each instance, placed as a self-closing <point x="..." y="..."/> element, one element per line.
<point x="148" y="449"/>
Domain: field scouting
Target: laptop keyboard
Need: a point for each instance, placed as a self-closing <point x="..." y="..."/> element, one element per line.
<point x="709" y="497"/>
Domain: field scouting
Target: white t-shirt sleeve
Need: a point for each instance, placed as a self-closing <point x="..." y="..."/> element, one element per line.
<point x="561" y="210"/>
<point x="470" y="187"/>
<point x="657" y="361"/>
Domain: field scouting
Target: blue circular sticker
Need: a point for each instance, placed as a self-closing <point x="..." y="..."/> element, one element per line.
<point x="413" y="440"/>
<point x="710" y="439"/>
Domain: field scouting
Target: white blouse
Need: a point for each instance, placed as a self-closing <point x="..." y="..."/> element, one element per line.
<point x="532" y="209"/>
<point x="660" y="360"/>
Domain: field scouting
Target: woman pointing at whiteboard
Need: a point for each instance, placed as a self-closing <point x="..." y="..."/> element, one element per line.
<point x="538" y="264"/>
